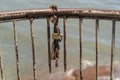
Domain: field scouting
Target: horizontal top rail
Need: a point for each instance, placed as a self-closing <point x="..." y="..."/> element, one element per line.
<point x="61" y="12"/>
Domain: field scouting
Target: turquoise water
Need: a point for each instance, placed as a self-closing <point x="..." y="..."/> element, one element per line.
<point x="24" y="40"/>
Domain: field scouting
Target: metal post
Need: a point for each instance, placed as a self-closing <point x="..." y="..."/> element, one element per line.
<point x="112" y="49"/>
<point x="16" y="50"/>
<point x="64" y="24"/>
<point x="97" y="45"/>
<point x="1" y="65"/>
<point x="80" y="36"/>
<point x="33" y="49"/>
<point x="48" y="35"/>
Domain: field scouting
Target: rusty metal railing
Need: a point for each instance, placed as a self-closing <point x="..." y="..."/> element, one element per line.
<point x="97" y="14"/>
<point x="1" y="65"/>
<point x="16" y="50"/>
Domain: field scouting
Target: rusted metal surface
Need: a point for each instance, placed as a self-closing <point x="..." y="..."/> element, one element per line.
<point x="80" y="36"/>
<point x="64" y="30"/>
<point x="49" y="51"/>
<point x="112" y="49"/>
<point x="97" y="47"/>
<point x="80" y="14"/>
<point x="16" y="50"/>
<point x="33" y="49"/>
<point x="71" y="13"/>
<point x="1" y="65"/>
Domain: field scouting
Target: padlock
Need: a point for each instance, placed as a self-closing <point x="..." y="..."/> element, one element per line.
<point x="52" y="56"/>
<point x="56" y="36"/>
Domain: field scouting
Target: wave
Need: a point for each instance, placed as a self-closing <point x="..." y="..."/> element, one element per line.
<point x="87" y="64"/>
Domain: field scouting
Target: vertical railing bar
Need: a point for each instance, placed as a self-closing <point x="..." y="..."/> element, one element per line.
<point x="112" y="49"/>
<point x="1" y="65"/>
<point x="64" y="30"/>
<point x="33" y="49"/>
<point x="97" y="45"/>
<point x="80" y="36"/>
<point x="48" y="35"/>
<point x="16" y="50"/>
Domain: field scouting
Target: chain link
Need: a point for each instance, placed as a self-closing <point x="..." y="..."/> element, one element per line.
<point x="56" y="33"/>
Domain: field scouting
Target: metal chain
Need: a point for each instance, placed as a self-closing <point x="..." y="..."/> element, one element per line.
<point x="56" y="33"/>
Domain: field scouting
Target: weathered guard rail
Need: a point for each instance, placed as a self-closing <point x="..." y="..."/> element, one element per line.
<point x="97" y="14"/>
<point x="69" y="13"/>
